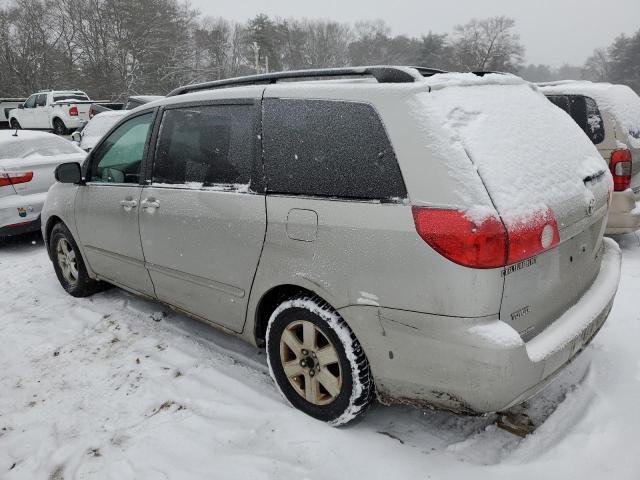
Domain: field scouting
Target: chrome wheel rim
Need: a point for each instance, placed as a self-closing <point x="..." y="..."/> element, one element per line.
<point x="310" y="362"/>
<point x="67" y="261"/>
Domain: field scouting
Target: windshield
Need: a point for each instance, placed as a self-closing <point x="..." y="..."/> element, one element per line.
<point x="46" y="147"/>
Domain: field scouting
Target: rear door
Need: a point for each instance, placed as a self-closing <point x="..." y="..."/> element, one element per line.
<point x="540" y="171"/>
<point x="107" y="206"/>
<point x="202" y="217"/>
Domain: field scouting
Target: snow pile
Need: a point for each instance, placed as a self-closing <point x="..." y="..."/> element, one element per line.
<point x="528" y="153"/>
<point x="619" y="101"/>
<point x="110" y="388"/>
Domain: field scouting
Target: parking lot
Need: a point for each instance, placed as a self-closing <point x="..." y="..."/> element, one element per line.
<point x="113" y="386"/>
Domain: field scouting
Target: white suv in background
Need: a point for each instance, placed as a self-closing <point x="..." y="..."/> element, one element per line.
<point x="610" y="116"/>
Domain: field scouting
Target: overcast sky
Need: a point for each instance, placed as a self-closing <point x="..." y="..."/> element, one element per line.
<point x="553" y="31"/>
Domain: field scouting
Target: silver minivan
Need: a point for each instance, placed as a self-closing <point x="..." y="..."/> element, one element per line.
<point x="384" y="232"/>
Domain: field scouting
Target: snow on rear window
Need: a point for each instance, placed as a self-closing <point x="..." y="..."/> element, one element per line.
<point x="67" y="97"/>
<point x="529" y="154"/>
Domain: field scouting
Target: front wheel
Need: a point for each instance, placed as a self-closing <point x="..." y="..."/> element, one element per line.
<point x="59" y="127"/>
<point x="68" y="264"/>
<point x="317" y="362"/>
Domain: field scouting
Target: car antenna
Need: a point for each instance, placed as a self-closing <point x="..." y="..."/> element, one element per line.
<point x="15" y="134"/>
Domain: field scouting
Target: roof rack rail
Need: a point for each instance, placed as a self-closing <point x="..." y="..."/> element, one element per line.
<point x="427" y="71"/>
<point x="383" y="74"/>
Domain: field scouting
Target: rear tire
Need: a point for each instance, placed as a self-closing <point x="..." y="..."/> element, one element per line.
<point x="59" y="128"/>
<point x="15" y="125"/>
<point x="68" y="264"/>
<point x="317" y="362"/>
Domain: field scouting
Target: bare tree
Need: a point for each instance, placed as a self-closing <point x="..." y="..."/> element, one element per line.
<point x="488" y="44"/>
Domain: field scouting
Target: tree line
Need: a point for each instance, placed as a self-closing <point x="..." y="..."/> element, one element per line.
<point x="116" y="48"/>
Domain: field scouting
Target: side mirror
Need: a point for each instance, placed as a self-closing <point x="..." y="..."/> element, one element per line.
<point x="76" y="137"/>
<point x="68" y="173"/>
<point x="21" y="106"/>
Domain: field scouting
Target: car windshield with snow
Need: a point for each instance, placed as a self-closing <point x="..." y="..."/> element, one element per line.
<point x="368" y="226"/>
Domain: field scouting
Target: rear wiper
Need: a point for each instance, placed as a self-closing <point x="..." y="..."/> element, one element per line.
<point x="593" y="177"/>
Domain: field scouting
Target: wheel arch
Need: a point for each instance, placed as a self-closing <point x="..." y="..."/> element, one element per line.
<point x="269" y="302"/>
<point x="52" y="221"/>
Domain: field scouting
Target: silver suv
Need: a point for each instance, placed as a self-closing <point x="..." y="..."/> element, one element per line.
<point x="384" y="232"/>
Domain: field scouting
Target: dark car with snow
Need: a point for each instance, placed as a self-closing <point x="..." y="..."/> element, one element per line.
<point x="365" y="225"/>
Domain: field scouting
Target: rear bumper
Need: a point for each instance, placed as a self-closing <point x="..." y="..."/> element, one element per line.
<point x="476" y="365"/>
<point x="20" y="228"/>
<point x="624" y="214"/>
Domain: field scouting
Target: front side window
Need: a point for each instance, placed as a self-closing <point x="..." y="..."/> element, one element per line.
<point x="119" y="158"/>
<point x="206" y="145"/>
<point x="31" y="102"/>
<point x="330" y="149"/>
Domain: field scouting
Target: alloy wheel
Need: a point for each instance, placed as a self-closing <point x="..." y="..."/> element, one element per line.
<point x="310" y="362"/>
<point x="67" y="261"/>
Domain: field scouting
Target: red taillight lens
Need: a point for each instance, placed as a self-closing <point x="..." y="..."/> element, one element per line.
<point x="452" y="234"/>
<point x="620" y="166"/>
<point x="73" y="111"/>
<point x="13" y="178"/>
<point x="486" y="243"/>
<point x="537" y="234"/>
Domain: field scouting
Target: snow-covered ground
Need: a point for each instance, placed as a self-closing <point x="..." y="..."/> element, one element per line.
<point x="121" y="388"/>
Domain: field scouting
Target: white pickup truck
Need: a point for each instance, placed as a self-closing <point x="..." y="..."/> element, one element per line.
<point x="59" y="110"/>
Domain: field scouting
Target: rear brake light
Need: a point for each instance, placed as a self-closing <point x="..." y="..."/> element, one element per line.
<point x="13" y="178"/>
<point x="73" y="111"/>
<point x="620" y="166"/>
<point x="484" y="243"/>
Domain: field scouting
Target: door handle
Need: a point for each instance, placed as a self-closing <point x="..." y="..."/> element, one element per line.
<point x="146" y="203"/>
<point x="129" y="204"/>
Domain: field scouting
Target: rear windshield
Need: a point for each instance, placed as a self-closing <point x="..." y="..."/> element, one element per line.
<point x="100" y="124"/>
<point x="585" y="112"/>
<point x="29" y="146"/>
<point x="529" y="155"/>
<point x="69" y="97"/>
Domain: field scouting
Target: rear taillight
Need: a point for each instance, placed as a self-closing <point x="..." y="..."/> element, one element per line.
<point x="13" y="178"/>
<point x="92" y="112"/>
<point x="620" y="165"/>
<point x="484" y="243"/>
<point x="73" y="111"/>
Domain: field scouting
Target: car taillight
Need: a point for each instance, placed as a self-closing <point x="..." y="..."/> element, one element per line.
<point x="73" y="111"/>
<point x="13" y="178"/>
<point x="486" y="243"/>
<point x="92" y="112"/>
<point x="620" y="166"/>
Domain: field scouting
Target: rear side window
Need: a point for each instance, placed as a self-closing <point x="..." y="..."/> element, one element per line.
<point x="328" y="148"/>
<point x="41" y="100"/>
<point x="206" y="145"/>
<point x="584" y="112"/>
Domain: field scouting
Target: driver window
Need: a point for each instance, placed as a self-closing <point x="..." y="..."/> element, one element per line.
<point x="31" y="102"/>
<point x="119" y="157"/>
